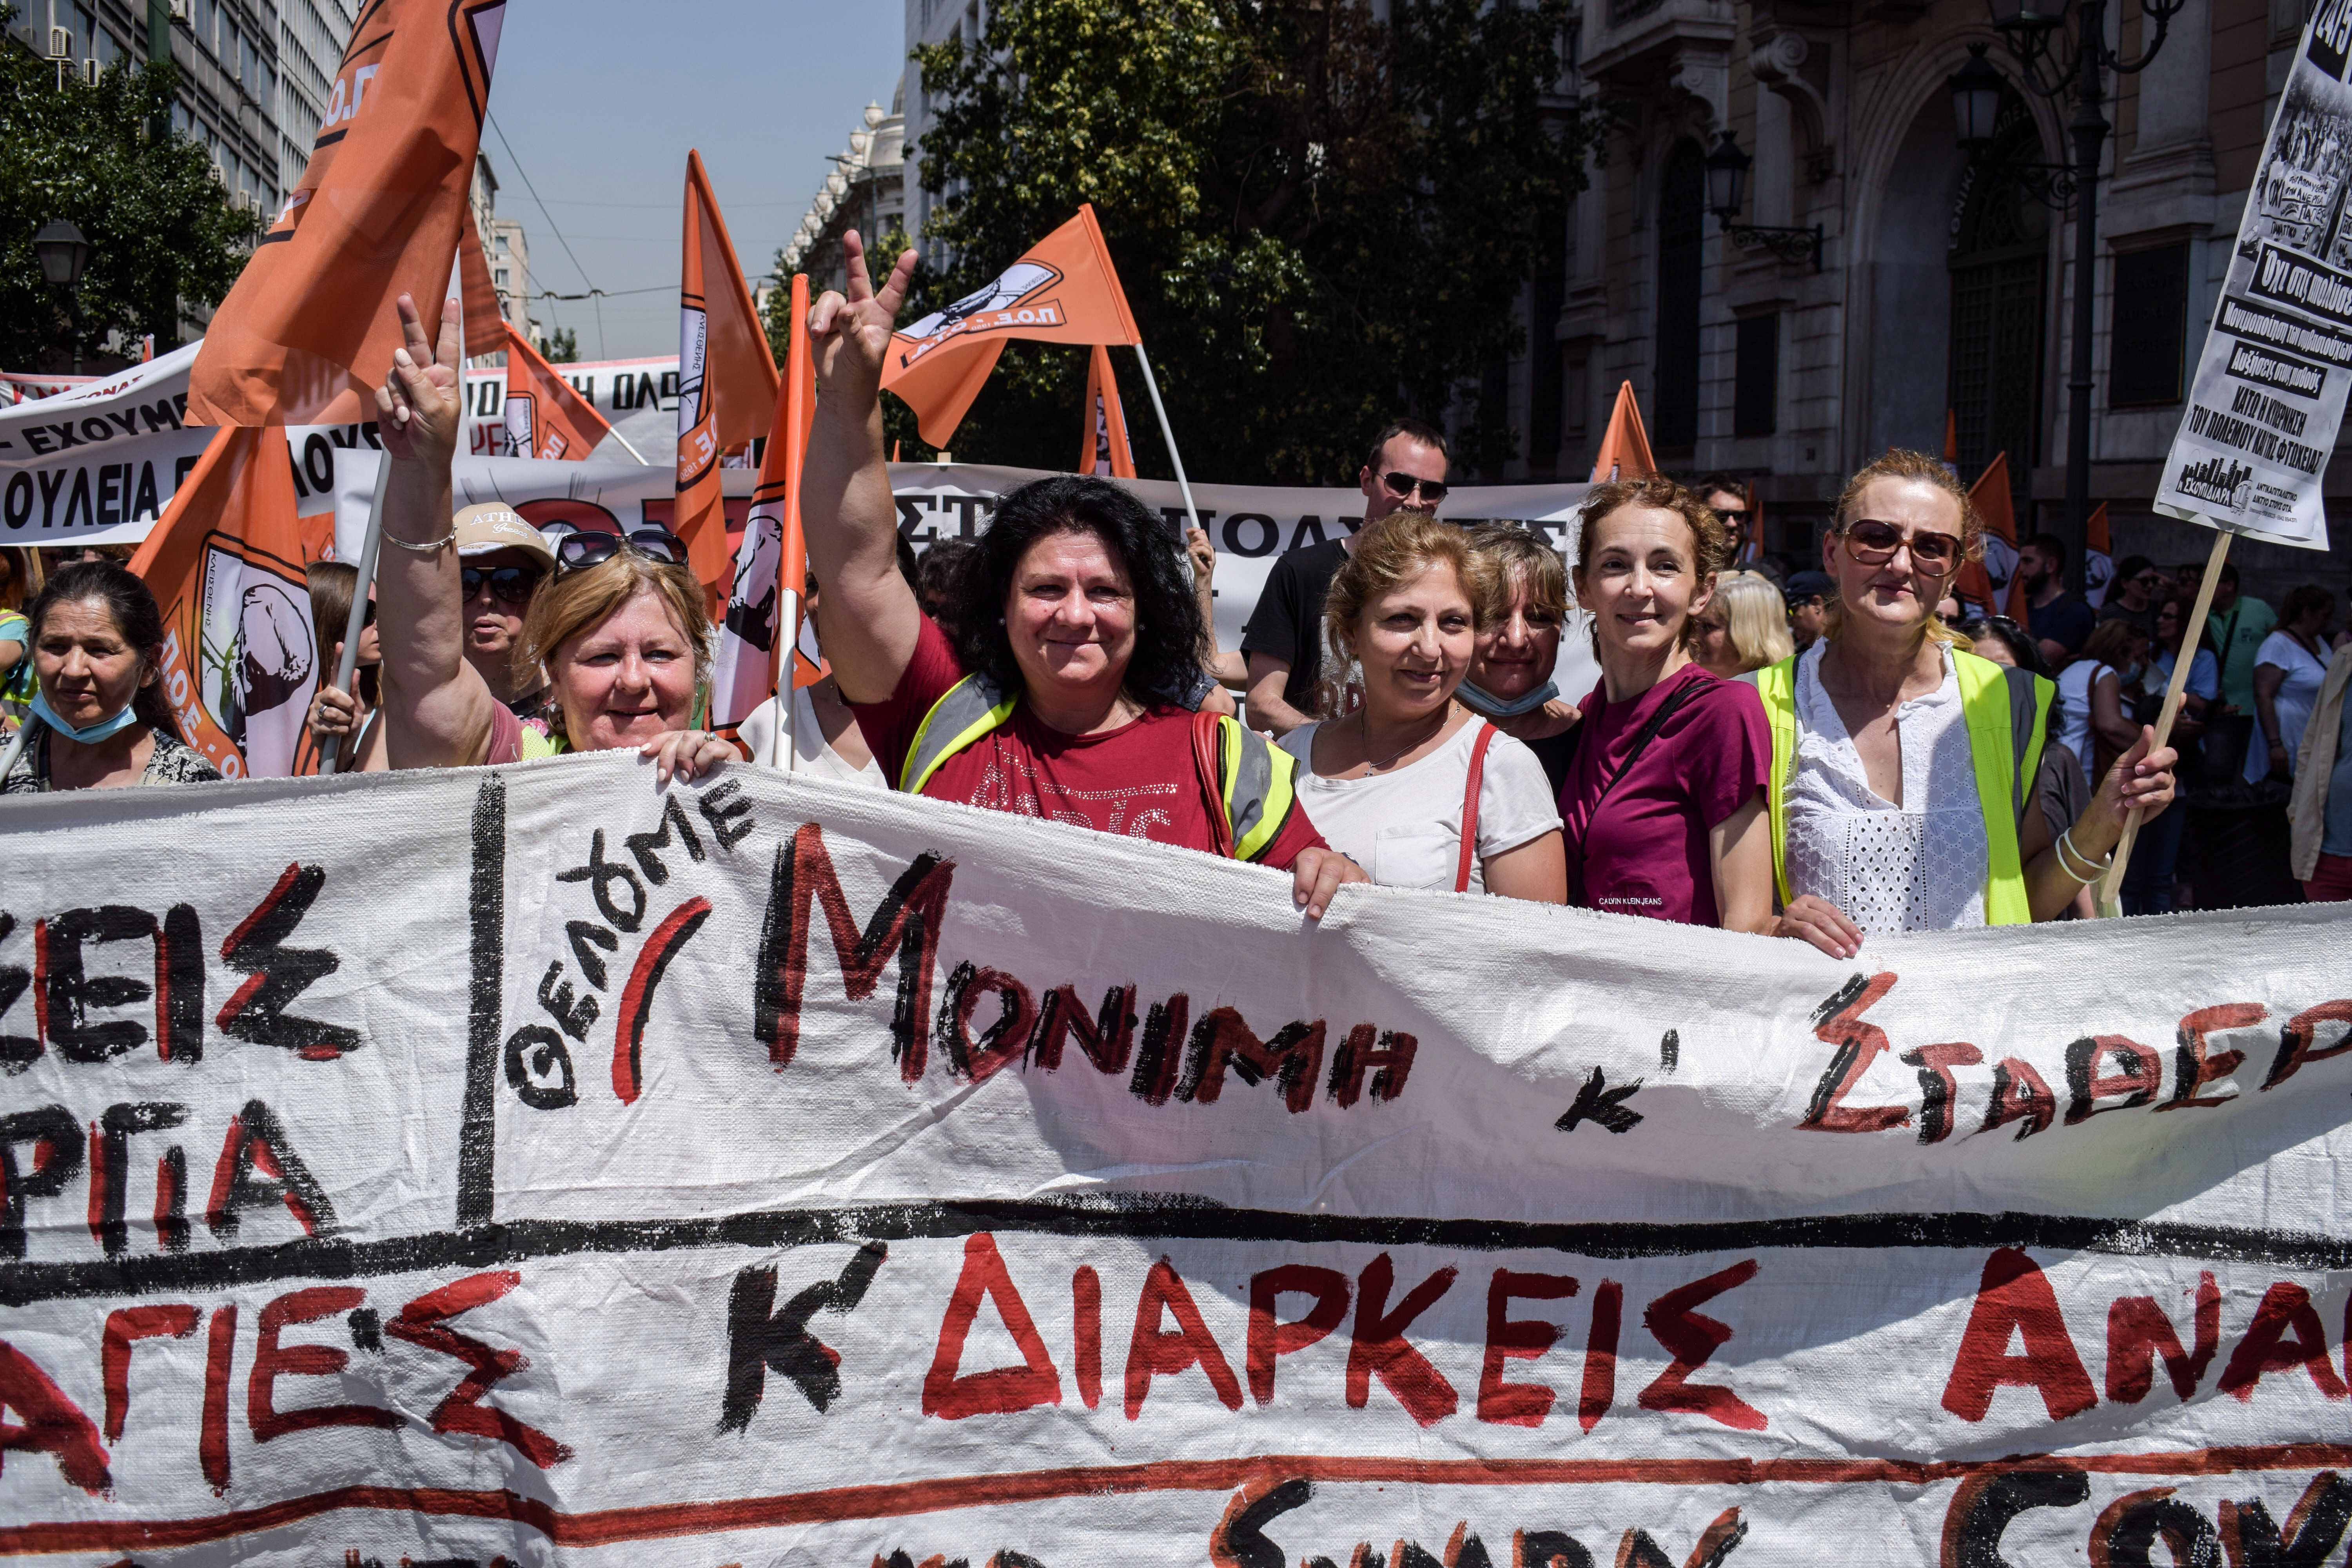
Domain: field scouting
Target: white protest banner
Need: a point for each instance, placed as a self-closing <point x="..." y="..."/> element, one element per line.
<point x="97" y="464"/>
<point x="2252" y="451"/>
<point x="528" y="1165"/>
<point x="1251" y="525"/>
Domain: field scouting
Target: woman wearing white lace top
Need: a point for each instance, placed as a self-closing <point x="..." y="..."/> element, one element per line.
<point x="1903" y="795"/>
<point x="1413" y="786"/>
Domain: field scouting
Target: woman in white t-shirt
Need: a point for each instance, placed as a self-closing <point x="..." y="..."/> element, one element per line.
<point x="2091" y="714"/>
<point x="2288" y="671"/>
<point x="1389" y="785"/>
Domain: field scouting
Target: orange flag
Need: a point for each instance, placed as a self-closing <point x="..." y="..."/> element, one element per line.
<point x="1625" y="446"/>
<point x="1952" y="440"/>
<point x="1993" y="580"/>
<point x="1062" y="291"/>
<point x="307" y="334"/>
<point x="2098" y="557"/>
<point x="545" y="417"/>
<point x="240" y="656"/>
<point x="1106" y="450"/>
<point x="726" y="377"/>
<point x="484" y="321"/>
<point x="770" y="581"/>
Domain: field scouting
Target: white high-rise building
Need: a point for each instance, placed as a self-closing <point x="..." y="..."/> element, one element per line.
<point x="312" y="36"/>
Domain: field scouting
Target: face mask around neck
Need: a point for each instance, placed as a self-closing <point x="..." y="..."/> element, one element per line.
<point x="89" y="735"/>
<point x="1480" y="699"/>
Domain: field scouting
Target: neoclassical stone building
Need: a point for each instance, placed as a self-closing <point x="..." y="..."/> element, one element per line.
<point x="1944" y="282"/>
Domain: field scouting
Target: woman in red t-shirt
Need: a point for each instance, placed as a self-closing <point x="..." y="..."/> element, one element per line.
<point x="1065" y="693"/>
<point x="1663" y="807"/>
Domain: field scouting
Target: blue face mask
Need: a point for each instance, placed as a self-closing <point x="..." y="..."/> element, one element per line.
<point x="1481" y="701"/>
<point x="93" y="734"/>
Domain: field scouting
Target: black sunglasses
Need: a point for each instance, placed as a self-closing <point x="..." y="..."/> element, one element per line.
<point x="1402" y="485"/>
<point x="575" y="551"/>
<point x="509" y="584"/>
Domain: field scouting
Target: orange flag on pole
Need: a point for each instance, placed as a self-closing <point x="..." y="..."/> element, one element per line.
<point x="1992" y="580"/>
<point x="770" y="587"/>
<point x="307" y="334"/>
<point x="240" y="656"/>
<point x="1625" y="446"/>
<point x="1062" y="291"/>
<point x="726" y="376"/>
<point x="545" y="417"/>
<point x="2098" y="557"/>
<point x="485" y="320"/>
<point x="1106" y="450"/>
<point x="1952" y="440"/>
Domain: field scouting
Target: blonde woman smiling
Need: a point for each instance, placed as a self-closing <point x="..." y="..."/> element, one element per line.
<point x="1411" y="786"/>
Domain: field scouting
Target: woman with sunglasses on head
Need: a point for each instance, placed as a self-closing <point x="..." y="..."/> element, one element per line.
<point x="1903" y="793"/>
<point x="1079" y="637"/>
<point x="621" y="631"/>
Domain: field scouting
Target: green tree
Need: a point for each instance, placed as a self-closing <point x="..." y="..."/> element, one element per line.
<point x="562" y="346"/>
<point x="1320" y="217"/>
<point x="162" y="234"/>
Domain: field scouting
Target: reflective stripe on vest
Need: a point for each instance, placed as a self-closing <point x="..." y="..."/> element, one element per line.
<point x="1257" y="785"/>
<point x="2001" y="708"/>
<point x="967" y="711"/>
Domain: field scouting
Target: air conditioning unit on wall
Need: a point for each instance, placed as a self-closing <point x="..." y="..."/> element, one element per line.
<point x="60" y="42"/>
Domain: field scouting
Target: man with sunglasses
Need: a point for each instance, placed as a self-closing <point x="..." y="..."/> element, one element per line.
<point x="1727" y="499"/>
<point x="2133" y="597"/>
<point x="1284" y="639"/>
<point x="501" y="562"/>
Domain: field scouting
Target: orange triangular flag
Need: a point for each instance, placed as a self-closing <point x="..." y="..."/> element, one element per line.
<point x="770" y="583"/>
<point x="485" y="320"/>
<point x="1106" y="450"/>
<point x="1952" y="440"/>
<point x="545" y="417"/>
<point x="2098" y="557"/>
<point x="726" y="376"/>
<point x="1062" y="291"/>
<point x="1990" y="495"/>
<point x="240" y="656"/>
<point x="1625" y="446"/>
<point x="307" y="334"/>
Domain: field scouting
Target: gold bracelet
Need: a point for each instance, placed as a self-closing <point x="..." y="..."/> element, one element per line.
<point x="446" y="539"/>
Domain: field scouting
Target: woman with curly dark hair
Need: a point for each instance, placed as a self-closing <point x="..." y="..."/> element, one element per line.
<point x="1066" y="690"/>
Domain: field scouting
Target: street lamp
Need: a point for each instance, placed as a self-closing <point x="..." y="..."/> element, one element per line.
<point x="2031" y="29"/>
<point x="1976" y="89"/>
<point x="1727" y="192"/>
<point x="62" y="251"/>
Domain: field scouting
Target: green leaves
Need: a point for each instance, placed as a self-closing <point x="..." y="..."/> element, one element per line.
<point x="162" y="232"/>
<point x="1321" y="219"/>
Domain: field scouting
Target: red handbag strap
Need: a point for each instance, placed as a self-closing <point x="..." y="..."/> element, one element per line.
<point x="1470" y="805"/>
<point x="1208" y="761"/>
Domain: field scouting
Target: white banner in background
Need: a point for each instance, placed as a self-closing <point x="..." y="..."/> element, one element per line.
<point x="531" y="1166"/>
<point x="2251" y="454"/>
<point x="99" y="464"/>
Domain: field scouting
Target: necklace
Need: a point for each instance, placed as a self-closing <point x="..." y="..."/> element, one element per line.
<point x="1364" y="729"/>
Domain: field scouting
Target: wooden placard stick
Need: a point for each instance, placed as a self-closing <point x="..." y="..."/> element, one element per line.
<point x="2111" y="885"/>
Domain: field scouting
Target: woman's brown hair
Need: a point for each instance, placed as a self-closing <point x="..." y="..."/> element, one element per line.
<point x="573" y="602"/>
<point x="1710" y="541"/>
<point x="1902" y="463"/>
<point x="332" y="584"/>
<point x="1514" y="555"/>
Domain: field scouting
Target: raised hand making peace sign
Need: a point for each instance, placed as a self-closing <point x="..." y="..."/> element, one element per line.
<point x="850" y="335"/>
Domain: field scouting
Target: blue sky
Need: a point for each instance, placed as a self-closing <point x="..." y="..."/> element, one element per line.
<point x="600" y="101"/>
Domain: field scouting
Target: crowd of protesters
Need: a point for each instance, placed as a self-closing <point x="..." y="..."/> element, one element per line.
<point x="1825" y="754"/>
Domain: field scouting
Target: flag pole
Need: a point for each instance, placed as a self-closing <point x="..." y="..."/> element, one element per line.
<point x="356" y="621"/>
<point x="1192" y="513"/>
<point x="2109" y="898"/>
<point x="632" y="452"/>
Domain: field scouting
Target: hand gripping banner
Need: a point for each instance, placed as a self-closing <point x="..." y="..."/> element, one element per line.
<point x="529" y="1166"/>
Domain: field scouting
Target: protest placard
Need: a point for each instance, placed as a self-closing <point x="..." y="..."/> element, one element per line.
<point x="528" y="1165"/>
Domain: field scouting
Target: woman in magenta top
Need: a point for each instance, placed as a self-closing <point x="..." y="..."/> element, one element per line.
<point x="1663" y="804"/>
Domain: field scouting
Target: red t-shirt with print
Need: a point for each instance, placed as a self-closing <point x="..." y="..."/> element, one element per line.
<point x="1139" y="780"/>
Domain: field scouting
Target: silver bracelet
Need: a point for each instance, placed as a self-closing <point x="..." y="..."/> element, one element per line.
<point x="2066" y="847"/>
<point x="445" y="540"/>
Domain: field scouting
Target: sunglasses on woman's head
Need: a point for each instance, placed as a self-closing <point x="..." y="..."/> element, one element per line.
<point x="509" y="584"/>
<point x="577" y="550"/>
<point x="1874" y="544"/>
<point x="1403" y="485"/>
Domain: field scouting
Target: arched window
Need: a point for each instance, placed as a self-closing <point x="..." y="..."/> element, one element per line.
<point x="1682" y="211"/>
<point x="2000" y="250"/>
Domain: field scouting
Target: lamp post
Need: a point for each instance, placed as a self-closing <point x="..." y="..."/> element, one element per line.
<point x="2030" y="28"/>
<point x="62" y="251"/>
<point x="1727" y="192"/>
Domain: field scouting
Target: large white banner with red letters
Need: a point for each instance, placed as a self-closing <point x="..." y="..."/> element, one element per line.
<point x="532" y="1166"/>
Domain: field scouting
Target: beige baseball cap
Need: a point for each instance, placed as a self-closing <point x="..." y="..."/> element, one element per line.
<point x="493" y="525"/>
